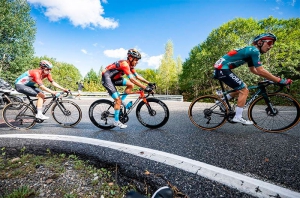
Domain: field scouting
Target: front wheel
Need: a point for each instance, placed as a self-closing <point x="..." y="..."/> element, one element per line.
<point x="208" y="112"/>
<point x="101" y="113"/>
<point x="284" y="116"/>
<point x="66" y="113"/>
<point x="153" y="114"/>
<point x="19" y="115"/>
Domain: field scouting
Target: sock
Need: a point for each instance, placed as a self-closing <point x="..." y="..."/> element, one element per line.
<point x="39" y="110"/>
<point x="124" y="96"/>
<point x="117" y="113"/>
<point x="238" y="112"/>
<point x="228" y="96"/>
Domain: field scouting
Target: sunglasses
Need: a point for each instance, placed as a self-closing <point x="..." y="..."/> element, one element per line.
<point x="269" y="42"/>
<point x="47" y="69"/>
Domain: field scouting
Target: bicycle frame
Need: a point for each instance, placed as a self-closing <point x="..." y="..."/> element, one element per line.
<point x="261" y="91"/>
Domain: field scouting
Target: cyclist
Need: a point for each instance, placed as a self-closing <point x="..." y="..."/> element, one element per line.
<point x="112" y="76"/>
<point x="250" y="55"/>
<point x="25" y="84"/>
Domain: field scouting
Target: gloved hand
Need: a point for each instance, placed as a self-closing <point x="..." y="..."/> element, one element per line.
<point x="148" y="89"/>
<point x="284" y="81"/>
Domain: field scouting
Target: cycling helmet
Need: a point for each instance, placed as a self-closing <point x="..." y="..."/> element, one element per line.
<point x="134" y="53"/>
<point x="264" y="36"/>
<point x="47" y="64"/>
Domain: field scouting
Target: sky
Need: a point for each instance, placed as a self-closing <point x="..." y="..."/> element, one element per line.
<point x="94" y="33"/>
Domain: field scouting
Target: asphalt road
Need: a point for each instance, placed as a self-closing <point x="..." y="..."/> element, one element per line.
<point x="243" y="149"/>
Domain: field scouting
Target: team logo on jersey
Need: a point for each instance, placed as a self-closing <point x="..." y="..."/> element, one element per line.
<point x="236" y="79"/>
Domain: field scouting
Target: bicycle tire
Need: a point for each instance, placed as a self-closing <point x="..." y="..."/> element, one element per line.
<point x="101" y="113"/>
<point x="19" y="116"/>
<point x="70" y="116"/>
<point x="286" y="117"/>
<point x="205" y="114"/>
<point x="159" y="113"/>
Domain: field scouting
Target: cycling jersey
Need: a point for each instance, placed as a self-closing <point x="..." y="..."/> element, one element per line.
<point x="32" y="77"/>
<point x="112" y="76"/>
<point x="238" y="57"/>
<point x="118" y="69"/>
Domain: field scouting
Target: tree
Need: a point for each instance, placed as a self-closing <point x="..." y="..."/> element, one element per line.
<point x="168" y="71"/>
<point x="17" y="34"/>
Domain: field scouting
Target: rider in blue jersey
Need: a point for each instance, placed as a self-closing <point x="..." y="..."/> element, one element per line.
<point x="250" y="55"/>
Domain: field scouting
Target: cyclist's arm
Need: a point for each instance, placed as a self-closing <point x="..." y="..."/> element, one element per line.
<point x="264" y="73"/>
<point x="137" y="83"/>
<point x="58" y="86"/>
<point x="142" y="79"/>
<point x="44" y="88"/>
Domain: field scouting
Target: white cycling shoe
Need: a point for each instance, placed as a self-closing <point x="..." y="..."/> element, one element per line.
<point x="119" y="124"/>
<point x="242" y="120"/>
<point x="41" y="116"/>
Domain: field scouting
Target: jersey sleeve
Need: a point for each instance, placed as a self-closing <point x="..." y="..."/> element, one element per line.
<point x="255" y="58"/>
<point x="49" y="76"/>
<point x="125" y="68"/>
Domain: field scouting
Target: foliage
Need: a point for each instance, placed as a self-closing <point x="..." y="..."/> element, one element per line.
<point x="17" y="34"/>
<point x="283" y="59"/>
<point x="168" y="71"/>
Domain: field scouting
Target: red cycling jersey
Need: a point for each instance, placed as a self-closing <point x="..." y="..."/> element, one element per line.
<point x="33" y="76"/>
<point x="119" y="68"/>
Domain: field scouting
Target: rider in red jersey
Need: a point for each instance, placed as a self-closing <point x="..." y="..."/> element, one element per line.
<point x="25" y="84"/>
<point x="112" y="76"/>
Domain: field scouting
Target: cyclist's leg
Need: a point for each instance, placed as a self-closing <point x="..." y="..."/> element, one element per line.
<point x="110" y="87"/>
<point x="233" y="81"/>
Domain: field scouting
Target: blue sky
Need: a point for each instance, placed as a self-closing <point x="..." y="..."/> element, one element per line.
<point x="92" y="33"/>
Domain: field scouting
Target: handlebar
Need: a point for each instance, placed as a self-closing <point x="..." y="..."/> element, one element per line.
<point x="266" y="83"/>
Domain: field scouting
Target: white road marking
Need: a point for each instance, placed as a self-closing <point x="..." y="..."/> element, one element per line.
<point x="232" y="179"/>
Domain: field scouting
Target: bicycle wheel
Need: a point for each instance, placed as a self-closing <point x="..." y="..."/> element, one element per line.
<point x="208" y="112"/>
<point x="286" y="116"/>
<point x="66" y="113"/>
<point x="153" y="114"/>
<point x="19" y="115"/>
<point x="101" y="113"/>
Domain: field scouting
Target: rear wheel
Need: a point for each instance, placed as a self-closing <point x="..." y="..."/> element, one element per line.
<point x="66" y="113"/>
<point x="208" y="112"/>
<point x="19" y="115"/>
<point x="153" y="114"/>
<point x="101" y="113"/>
<point x="286" y="113"/>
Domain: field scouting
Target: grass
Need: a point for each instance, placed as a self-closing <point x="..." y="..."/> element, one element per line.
<point x="101" y="181"/>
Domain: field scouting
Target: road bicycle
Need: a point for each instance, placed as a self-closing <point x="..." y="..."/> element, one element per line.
<point x="6" y="97"/>
<point x="150" y="112"/>
<point x="21" y="115"/>
<point x="270" y="111"/>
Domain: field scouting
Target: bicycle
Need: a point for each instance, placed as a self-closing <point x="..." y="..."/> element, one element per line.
<point x="21" y="115"/>
<point x="6" y="98"/>
<point x="150" y="112"/>
<point x="272" y="112"/>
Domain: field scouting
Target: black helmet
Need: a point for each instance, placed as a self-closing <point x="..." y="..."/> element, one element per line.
<point x="264" y="36"/>
<point x="134" y="53"/>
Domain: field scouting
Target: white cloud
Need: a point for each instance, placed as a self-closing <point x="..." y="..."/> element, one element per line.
<point x="84" y="13"/>
<point x="84" y="51"/>
<point x="116" y="53"/>
<point x="121" y="53"/>
<point x="104" y="1"/>
<point x="153" y="61"/>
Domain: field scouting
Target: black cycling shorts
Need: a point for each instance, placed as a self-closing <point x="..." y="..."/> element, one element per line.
<point x="229" y="78"/>
<point x="27" y="90"/>
<point x="110" y="84"/>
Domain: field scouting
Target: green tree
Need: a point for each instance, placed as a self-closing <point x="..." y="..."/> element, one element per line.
<point x="168" y="71"/>
<point x="17" y="34"/>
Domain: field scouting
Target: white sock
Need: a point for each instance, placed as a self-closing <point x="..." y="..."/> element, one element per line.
<point x="238" y="112"/>
<point x="39" y="110"/>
